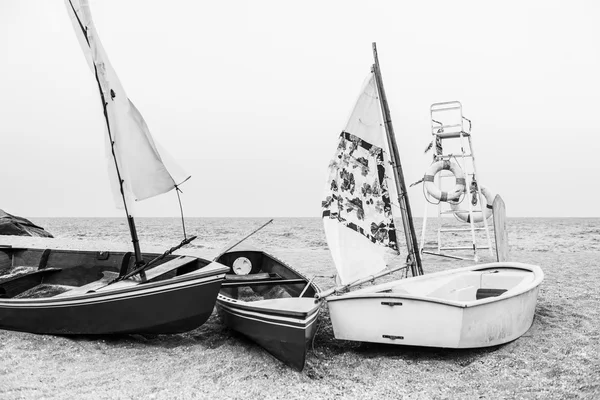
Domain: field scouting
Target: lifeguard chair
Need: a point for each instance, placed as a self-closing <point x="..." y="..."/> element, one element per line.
<point x="454" y="160"/>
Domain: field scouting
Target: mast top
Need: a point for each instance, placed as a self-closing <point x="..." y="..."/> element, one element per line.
<point x="374" y="45"/>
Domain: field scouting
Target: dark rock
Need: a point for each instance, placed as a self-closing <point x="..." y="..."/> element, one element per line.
<point x="13" y="225"/>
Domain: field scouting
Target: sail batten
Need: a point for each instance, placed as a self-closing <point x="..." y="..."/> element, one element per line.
<point x="138" y="166"/>
<point x="357" y="212"/>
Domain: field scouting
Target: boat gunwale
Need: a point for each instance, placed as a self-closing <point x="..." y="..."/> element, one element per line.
<point x="226" y="300"/>
<point x="371" y="293"/>
<point x="142" y="289"/>
<point x="288" y="319"/>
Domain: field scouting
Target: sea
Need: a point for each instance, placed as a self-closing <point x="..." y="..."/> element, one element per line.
<point x="301" y="242"/>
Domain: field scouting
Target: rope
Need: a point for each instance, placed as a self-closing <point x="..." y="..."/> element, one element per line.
<point x="416" y="183"/>
<point x="316" y="331"/>
<point x="177" y="190"/>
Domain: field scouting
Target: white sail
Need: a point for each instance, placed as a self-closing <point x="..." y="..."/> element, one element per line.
<point x="146" y="170"/>
<point x="357" y="212"/>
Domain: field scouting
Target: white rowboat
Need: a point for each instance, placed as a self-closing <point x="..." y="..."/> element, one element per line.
<point x="476" y="306"/>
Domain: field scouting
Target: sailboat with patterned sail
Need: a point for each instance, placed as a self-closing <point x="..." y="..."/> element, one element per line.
<point x="53" y="291"/>
<point x="477" y="306"/>
<point x="359" y="206"/>
<point x="357" y="212"/>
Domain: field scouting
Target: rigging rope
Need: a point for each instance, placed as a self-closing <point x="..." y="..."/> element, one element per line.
<point x="177" y="190"/>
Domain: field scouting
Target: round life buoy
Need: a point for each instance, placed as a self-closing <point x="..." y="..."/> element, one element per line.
<point x="463" y="215"/>
<point x="435" y="191"/>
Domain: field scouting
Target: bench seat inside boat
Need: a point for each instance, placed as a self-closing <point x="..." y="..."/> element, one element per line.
<point x="154" y="273"/>
<point x="294" y="304"/>
<point x="107" y="276"/>
<point x="251" y="277"/>
<point x="14" y="285"/>
<point x="262" y="278"/>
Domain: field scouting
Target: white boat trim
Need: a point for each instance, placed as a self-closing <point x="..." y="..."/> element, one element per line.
<point x="274" y="319"/>
<point x="375" y="291"/>
<point x="270" y="320"/>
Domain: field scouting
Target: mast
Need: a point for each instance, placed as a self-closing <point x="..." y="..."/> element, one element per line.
<point x="414" y="257"/>
<point x="132" y="230"/>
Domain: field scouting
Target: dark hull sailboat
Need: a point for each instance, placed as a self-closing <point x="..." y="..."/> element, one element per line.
<point x="67" y="292"/>
<point x="85" y="292"/>
<point x="269" y="302"/>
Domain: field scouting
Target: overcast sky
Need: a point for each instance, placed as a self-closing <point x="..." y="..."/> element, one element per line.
<point x="250" y="97"/>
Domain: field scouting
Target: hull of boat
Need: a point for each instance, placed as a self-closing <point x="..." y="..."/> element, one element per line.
<point x="286" y="335"/>
<point x="281" y="313"/>
<point x="448" y="316"/>
<point x="163" y="307"/>
<point x="72" y="292"/>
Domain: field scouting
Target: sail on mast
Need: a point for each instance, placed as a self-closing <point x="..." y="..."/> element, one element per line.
<point x="140" y="169"/>
<point x="358" y="215"/>
<point x="357" y="212"/>
<point x="136" y="168"/>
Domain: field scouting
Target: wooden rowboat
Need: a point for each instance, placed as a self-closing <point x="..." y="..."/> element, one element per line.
<point x="269" y="302"/>
<point x="67" y="292"/>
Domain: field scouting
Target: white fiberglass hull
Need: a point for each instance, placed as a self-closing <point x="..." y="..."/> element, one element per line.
<point x="442" y="309"/>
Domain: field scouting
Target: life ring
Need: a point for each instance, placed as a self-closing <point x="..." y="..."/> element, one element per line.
<point x="487" y="211"/>
<point x="435" y="191"/>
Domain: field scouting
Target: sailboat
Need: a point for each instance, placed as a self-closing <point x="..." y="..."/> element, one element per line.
<point x="54" y="291"/>
<point x="475" y="306"/>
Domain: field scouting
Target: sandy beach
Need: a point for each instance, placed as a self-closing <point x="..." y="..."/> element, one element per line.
<point x="556" y="359"/>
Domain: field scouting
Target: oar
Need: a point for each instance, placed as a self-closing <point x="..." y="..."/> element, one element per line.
<point x="241" y="240"/>
<point x="149" y="263"/>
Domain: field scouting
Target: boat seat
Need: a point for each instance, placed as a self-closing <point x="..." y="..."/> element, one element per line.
<point x="20" y="283"/>
<point x="107" y="276"/>
<point x="266" y="279"/>
<point x="292" y="304"/>
<point x="164" y="268"/>
<point x="250" y="277"/>
<point x="484" y="293"/>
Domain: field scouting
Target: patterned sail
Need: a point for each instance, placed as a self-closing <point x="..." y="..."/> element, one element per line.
<point x="357" y="211"/>
<point x="145" y="169"/>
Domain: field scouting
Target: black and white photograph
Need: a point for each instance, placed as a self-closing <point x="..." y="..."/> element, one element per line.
<point x="299" y="200"/>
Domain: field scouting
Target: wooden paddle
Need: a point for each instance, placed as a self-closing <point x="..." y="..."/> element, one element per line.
<point x="500" y="229"/>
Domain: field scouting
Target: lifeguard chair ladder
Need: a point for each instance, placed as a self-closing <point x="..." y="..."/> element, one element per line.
<point x="448" y="131"/>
